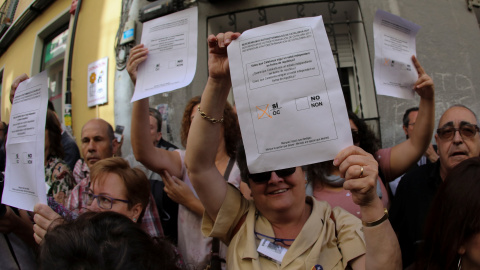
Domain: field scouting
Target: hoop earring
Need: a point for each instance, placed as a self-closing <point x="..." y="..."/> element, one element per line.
<point x="459" y="265"/>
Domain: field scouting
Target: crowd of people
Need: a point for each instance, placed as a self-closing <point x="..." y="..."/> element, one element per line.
<point x="413" y="205"/>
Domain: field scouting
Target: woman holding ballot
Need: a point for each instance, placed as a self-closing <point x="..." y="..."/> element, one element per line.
<point x="281" y="226"/>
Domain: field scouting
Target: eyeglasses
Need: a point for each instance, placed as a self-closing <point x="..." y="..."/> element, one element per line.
<point x="355" y="136"/>
<point x="465" y="130"/>
<point x="265" y="176"/>
<point x="104" y="202"/>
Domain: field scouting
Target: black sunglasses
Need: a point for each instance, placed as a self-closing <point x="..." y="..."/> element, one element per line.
<point x="265" y="176"/>
<point x="466" y="131"/>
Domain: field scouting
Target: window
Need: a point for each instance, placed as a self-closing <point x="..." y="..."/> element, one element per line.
<point x="53" y="56"/>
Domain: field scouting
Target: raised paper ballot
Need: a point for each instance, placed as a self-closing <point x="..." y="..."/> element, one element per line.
<point x="394" y="71"/>
<point x="172" y="53"/>
<point x="288" y="95"/>
<point x="25" y="171"/>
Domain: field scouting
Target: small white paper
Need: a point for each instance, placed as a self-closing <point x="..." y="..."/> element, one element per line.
<point x="271" y="251"/>
<point x="394" y="71"/>
<point x="288" y="95"/>
<point x="25" y="172"/>
<point x="172" y="53"/>
<point x="97" y="82"/>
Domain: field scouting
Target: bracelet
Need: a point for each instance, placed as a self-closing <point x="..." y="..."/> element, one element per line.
<point x="206" y="117"/>
<point x="377" y="222"/>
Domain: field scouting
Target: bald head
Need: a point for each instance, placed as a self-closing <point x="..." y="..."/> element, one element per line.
<point x="453" y="150"/>
<point x="98" y="141"/>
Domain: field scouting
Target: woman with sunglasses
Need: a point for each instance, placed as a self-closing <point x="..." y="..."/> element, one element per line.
<point x="325" y="182"/>
<point x="282" y="227"/>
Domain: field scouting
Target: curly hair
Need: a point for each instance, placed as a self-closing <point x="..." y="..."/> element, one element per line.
<point x="52" y="127"/>
<point x="368" y="141"/>
<point x="231" y="128"/>
<point x="104" y="240"/>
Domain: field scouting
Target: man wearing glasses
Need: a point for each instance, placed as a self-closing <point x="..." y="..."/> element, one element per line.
<point x="457" y="139"/>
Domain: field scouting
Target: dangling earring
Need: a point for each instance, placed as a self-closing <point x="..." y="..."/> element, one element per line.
<point x="459" y="266"/>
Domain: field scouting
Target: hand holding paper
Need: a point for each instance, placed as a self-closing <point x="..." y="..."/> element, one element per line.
<point x="218" y="65"/>
<point x="138" y="54"/>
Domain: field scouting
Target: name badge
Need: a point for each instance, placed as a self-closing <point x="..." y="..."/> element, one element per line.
<point x="271" y="251"/>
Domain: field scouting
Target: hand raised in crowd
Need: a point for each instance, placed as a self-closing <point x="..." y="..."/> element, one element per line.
<point x="15" y="84"/>
<point x="424" y="85"/>
<point x="179" y="192"/>
<point x="176" y="189"/>
<point x="218" y="67"/>
<point x="119" y="147"/>
<point x="360" y="171"/>
<point x="138" y="54"/>
<point x="45" y="219"/>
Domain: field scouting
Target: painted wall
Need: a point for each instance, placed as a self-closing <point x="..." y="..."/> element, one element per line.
<point x="18" y="58"/>
<point x="95" y="37"/>
<point x="96" y="30"/>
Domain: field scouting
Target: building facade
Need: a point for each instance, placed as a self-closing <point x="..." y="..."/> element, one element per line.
<point x="446" y="47"/>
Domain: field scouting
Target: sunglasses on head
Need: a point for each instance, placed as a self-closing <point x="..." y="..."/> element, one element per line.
<point x="265" y="176"/>
<point x="465" y="130"/>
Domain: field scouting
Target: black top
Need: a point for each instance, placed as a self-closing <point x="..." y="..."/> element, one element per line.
<point x="72" y="154"/>
<point x="410" y="207"/>
<point x="165" y="145"/>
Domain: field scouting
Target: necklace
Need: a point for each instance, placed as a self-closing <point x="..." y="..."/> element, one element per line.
<point x="285" y="241"/>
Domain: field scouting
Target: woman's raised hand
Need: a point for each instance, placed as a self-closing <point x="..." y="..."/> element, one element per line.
<point x="360" y="171"/>
<point x="218" y="67"/>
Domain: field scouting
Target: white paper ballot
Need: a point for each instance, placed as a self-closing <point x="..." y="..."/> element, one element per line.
<point x="394" y="71"/>
<point x="25" y="172"/>
<point x="172" y="53"/>
<point x="288" y="96"/>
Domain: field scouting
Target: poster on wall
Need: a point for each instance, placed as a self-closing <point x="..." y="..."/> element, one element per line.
<point x="97" y="82"/>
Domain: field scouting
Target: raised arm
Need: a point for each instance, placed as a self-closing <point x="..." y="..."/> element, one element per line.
<point x="155" y="159"/>
<point x="203" y="137"/>
<point x="405" y="154"/>
<point x="360" y="171"/>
